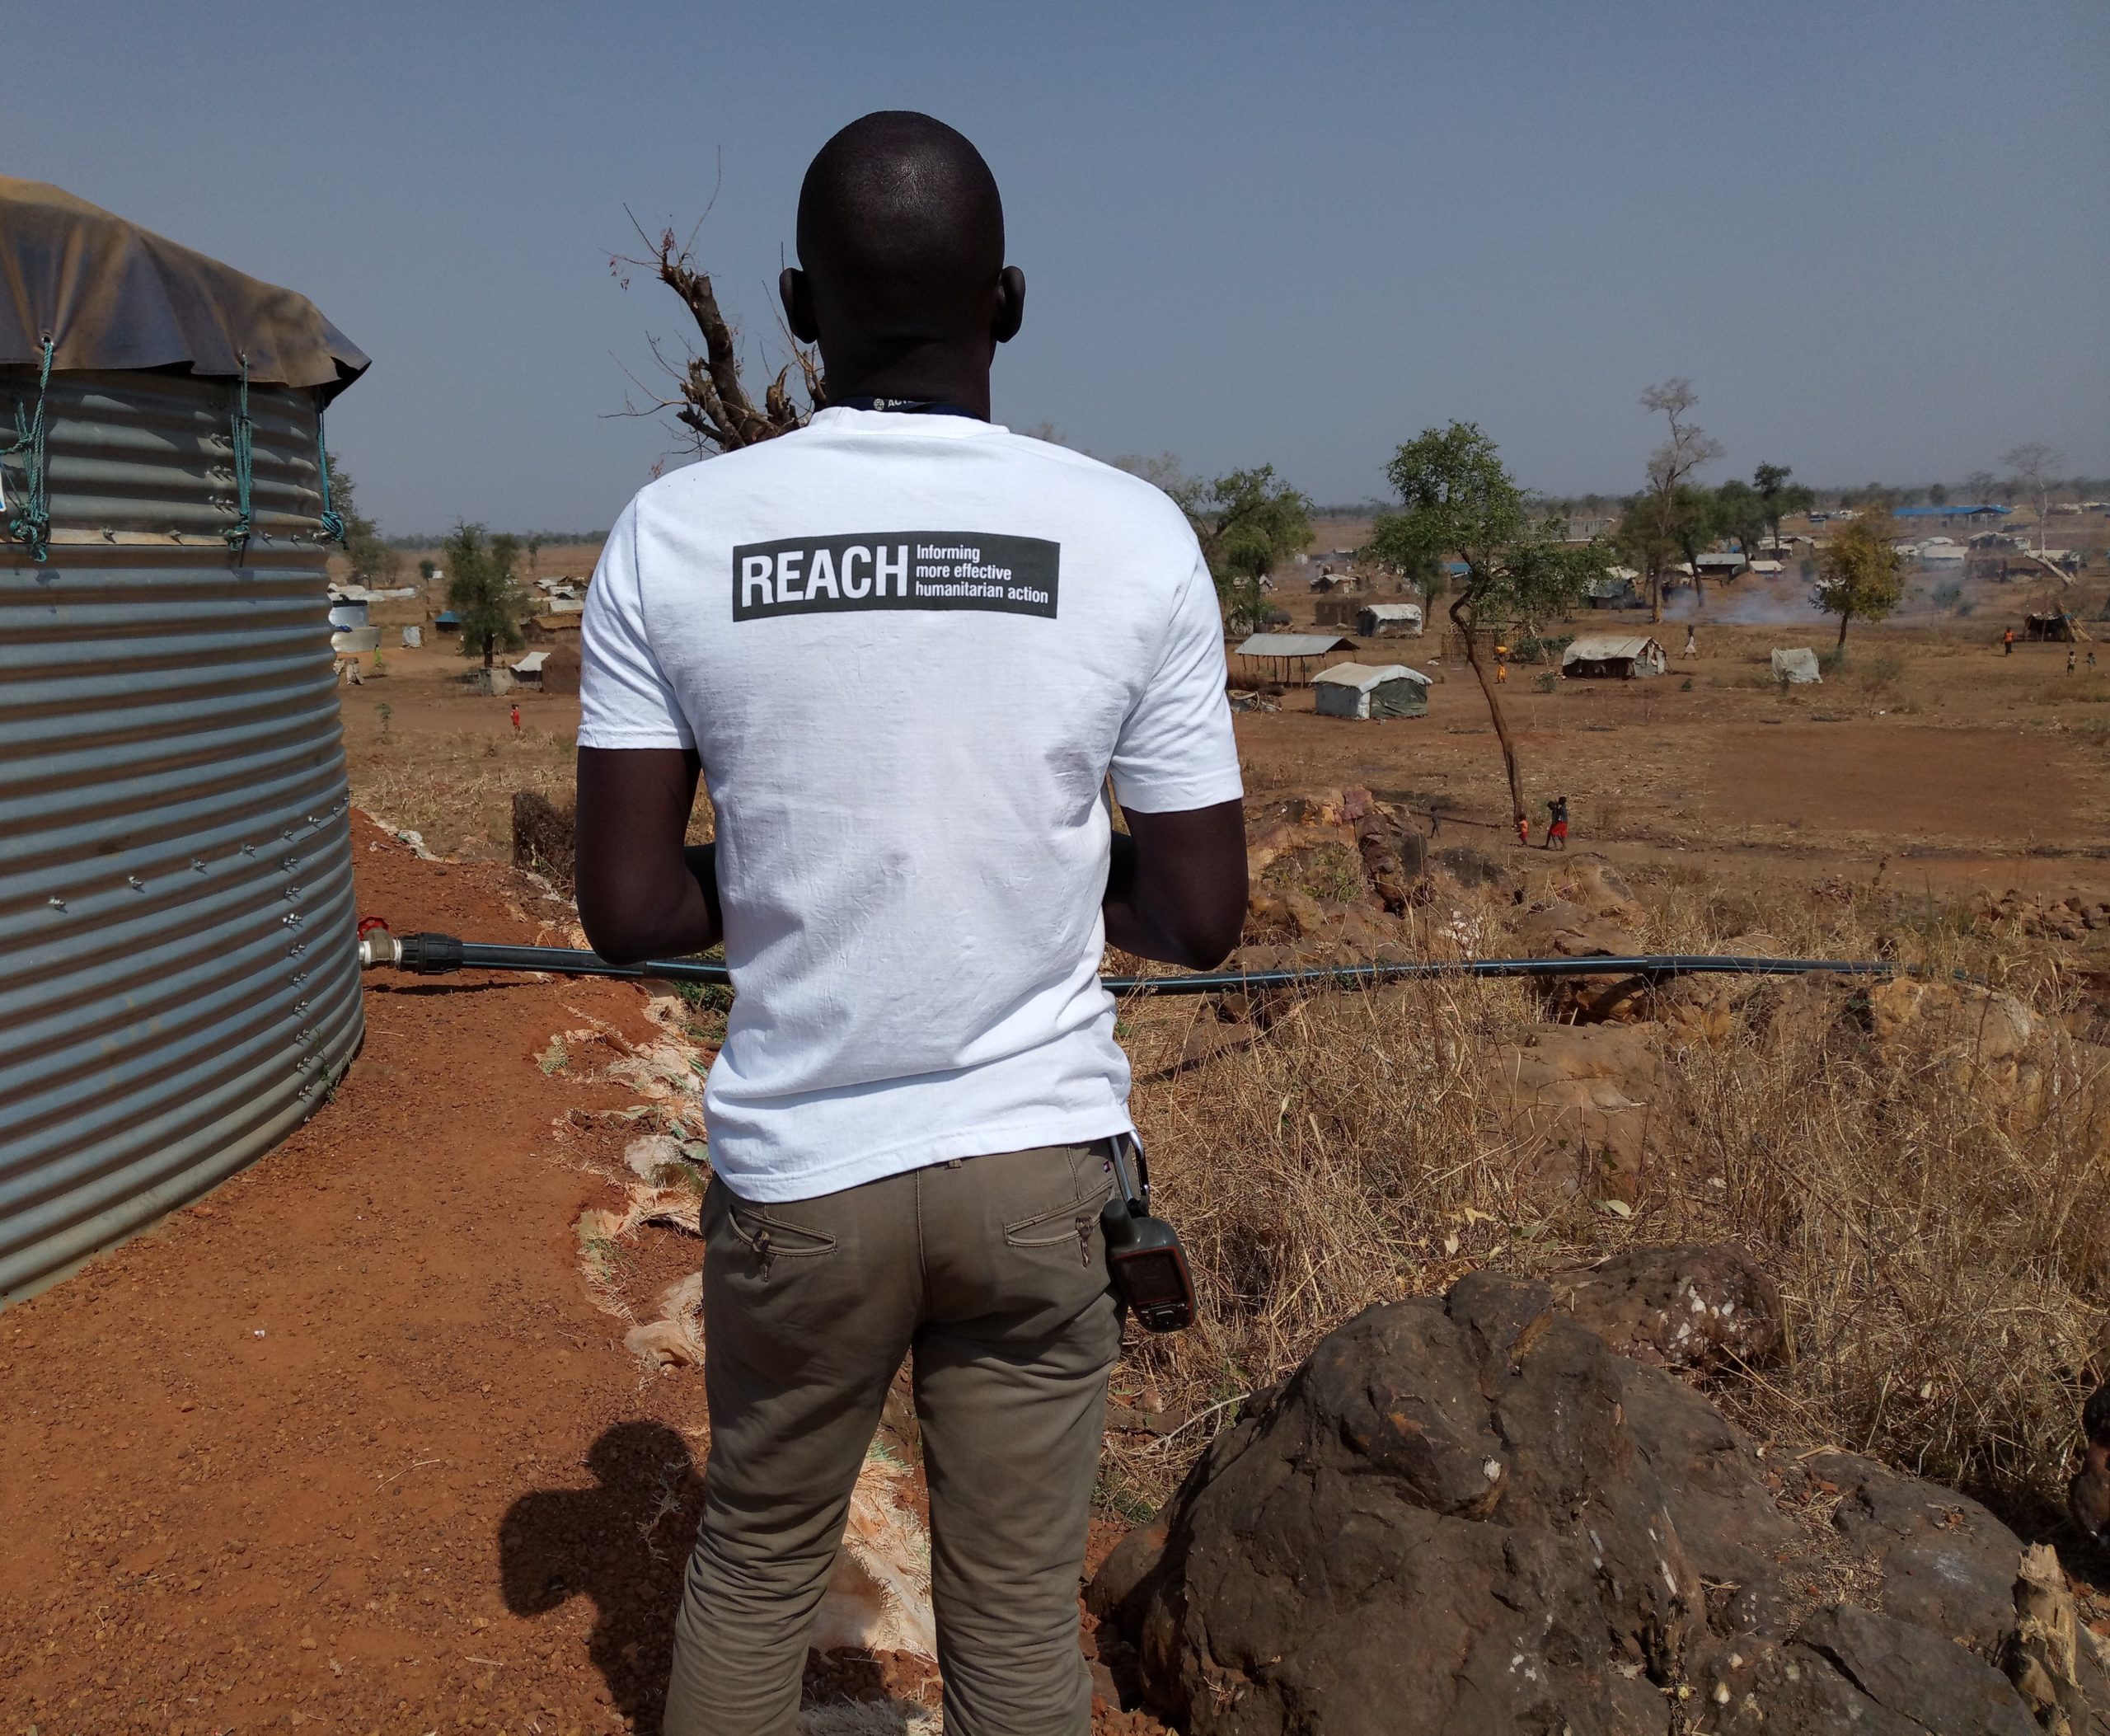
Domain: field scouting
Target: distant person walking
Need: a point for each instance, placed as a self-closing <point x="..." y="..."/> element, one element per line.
<point x="1502" y="671"/>
<point x="1692" y="641"/>
<point x="2070" y="655"/>
<point x="1523" y="832"/>
<point x="2007" y="643"/>
<point x="516" y="714"/>
<point x="1557" y="823"/>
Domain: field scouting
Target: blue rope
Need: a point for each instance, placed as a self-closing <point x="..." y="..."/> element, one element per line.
<point x="237" y="534"/>
<point x="333" y="524"/>
<point x="32" y="521"/>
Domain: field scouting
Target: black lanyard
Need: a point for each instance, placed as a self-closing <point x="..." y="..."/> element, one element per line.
<point x="909" y="406"/>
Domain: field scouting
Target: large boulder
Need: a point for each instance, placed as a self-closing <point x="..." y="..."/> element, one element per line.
<point x="1465" y="1515"/>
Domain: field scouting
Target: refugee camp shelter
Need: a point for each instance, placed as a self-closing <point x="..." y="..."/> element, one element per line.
<point x="1388" y="620"/>
<point x="1625" y="656"/>
<point x="1370" y="690"/>
<point x="1614" y="589"/>
<point x="528" y="671"/>
<point x="1287" y="656"/>
<point x="2053" y="626"/>
<point x="447" y="622"/>
<point x="1796" y="668"/>
<point x="178" y="975"/>
<point x="561" y="667"/>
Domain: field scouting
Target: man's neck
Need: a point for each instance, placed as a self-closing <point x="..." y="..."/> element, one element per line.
<point x="928" y="375"/>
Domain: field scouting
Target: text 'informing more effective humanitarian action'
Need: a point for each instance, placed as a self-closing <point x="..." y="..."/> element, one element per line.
<point x="897" y="570"/>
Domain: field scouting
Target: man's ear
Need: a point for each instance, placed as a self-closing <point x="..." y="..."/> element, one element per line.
<point x="1011" y="304"/>
<point x="797" y="296"/>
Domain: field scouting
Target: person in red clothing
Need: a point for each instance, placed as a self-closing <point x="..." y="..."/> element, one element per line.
<point x="1557" y="823"/>
<point x="516" y="714"/>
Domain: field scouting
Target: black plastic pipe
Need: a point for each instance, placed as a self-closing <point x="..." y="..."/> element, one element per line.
<point x="432" y="955"/>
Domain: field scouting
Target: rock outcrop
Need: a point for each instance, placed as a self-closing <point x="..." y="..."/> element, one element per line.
<point x="1467" y="1515"/>
<point x="1700" y="1308"/>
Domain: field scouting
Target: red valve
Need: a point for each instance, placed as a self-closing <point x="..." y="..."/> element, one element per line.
<point x="368" y="924"/>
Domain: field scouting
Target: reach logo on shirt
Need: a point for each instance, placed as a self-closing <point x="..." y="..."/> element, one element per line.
<point x="896" y="570"/>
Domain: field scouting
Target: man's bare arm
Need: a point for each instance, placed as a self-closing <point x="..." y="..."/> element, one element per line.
<point x="1175" y="890"/>
<point x="643" y="893"/>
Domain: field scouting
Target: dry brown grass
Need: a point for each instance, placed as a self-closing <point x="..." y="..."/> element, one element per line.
<point x="1940" y="1235"/>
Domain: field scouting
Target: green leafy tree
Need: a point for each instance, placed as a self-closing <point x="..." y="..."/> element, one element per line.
<point x="1427" y="576"/>
<point x="1457" y="501"/>
<point x="481" y="590"/>
<point x="1858" y="573"/>
<point x="1780" y="496"/>
<point x="372" y="560"/>
<point x="1644" y="540"/>
<point x="1937" y="496"/>
<point x="1740" y="513"/>
<point x="1248" y="522"/>
<point x="1694" y="526"/>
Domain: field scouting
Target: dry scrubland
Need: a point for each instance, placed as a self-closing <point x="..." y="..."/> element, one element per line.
<point x="1933" y="1208"/>
<point x="1934" y="1214"/>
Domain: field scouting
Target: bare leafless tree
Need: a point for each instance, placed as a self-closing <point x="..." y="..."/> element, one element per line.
<point x="2033" y="466"/>
<point x="711" y="399"/>
<point x="1689" y="449"/>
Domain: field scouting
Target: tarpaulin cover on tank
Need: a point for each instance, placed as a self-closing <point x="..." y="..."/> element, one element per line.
<point x="113" y="296"/>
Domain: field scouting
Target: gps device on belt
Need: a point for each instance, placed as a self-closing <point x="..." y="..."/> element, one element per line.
<point x="1143" y="1254"/>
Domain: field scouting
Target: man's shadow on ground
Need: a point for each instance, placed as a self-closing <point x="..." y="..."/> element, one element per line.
<point x="624" y="1543"/>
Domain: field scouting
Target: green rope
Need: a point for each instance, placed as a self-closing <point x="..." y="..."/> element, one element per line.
<point x="333" y="524"/>
<point x="32" y="522"/>
<point x="237" y="534"/>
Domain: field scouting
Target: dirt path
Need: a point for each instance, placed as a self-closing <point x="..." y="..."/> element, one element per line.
<point x="259" y="1460"/>
<point x="348" y="1445"/>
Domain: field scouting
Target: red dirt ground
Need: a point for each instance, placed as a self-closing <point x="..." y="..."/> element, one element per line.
<point x="1861" y="777"/>
<point x="347" y="1444"/>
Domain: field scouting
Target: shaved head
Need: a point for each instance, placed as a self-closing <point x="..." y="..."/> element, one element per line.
<point x="899" y="219"/>
<point x="901" y="247"/>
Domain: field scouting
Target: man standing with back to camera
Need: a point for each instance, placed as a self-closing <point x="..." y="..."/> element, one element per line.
<point x="906" y="648"/>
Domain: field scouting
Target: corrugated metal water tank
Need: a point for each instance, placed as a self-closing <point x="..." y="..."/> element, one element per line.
<point x="178" y="984"/>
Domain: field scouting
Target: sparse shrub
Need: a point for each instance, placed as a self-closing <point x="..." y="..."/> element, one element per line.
<point x="1686" y="686"/>
<point x="1332" y="873"/>
<point x="1548" y="682"/>
<point x="384" y="711"/>
<point x="542" y="838"/>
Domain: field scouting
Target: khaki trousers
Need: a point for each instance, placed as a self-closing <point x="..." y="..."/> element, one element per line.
<point x="991" y="1271"/>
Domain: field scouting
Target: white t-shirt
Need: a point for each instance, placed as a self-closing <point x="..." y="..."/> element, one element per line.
<point x="909" y="649"/>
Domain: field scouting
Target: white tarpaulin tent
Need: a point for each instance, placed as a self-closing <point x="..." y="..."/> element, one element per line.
<point x="1388" y="620"/>
<point x="1368" y="689"/>
<point x="1796" y="668"/>
<point x="1619" y="654"/>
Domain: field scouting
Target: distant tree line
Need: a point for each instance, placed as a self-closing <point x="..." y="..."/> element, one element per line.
<point x="540" y="539"/>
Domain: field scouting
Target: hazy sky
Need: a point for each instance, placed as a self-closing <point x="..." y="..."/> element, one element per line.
<point x="1877" y="237"/>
